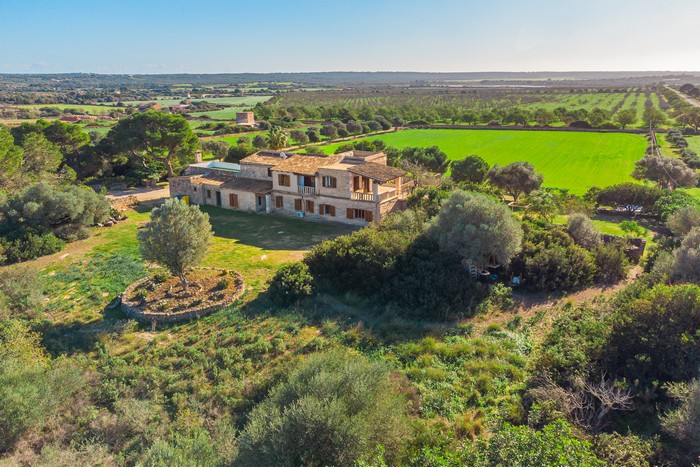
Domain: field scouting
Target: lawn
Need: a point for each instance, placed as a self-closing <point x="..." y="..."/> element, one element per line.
<point x="573" y="160"/>
<point x="255" y="245"/>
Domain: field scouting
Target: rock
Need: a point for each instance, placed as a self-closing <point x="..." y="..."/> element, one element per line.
<point x="109" y="224"/>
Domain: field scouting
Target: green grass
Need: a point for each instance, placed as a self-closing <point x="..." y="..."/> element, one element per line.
<point x="232" y="101"/>
<point x="573" y="160"/>
<point x="88" y="109"/>
<point x="694" y="143"/>
<point x="89" y="273"/>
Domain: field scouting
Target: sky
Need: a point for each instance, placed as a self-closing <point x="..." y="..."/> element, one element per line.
<point x="220" y="36"/>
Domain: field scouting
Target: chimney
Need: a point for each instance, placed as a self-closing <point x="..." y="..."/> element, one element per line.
<point x="197" y="156"/>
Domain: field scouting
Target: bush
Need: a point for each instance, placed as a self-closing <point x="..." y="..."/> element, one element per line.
<point x="611" y="262"/>
<point x="686" y="262"/>
<point x="334" y="409"/>
<point x="683" y="422"/>
<point x="581" y="229"/>
<point x="292" y="283"/>
<point x="654" y="338"/>
<point x="521" y="446"/>
<point x="683" y="221"/>
<point x="32" y="246"/>
<point x="550" y="261"/>
<point x="22" y="290"/>
<point x="671" y="202"/>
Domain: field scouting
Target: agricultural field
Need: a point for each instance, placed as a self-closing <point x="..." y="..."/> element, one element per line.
<point x="479" y="98"/>
<point x="240" y="101"/>
<point x="571" y="160"/>
<point x="83" y="108"/>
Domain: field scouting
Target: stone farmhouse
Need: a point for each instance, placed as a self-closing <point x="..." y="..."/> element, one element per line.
<point x="354" y="187"/>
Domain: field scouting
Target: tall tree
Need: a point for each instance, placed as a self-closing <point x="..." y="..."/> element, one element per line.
<point x="277" y="138"/>
<point x="626" y="117"/>
<point x="177" y="237"/>
<point x="668" y="172"/>
<point x="478" y="228"/>
<point x="516" y="178"/>
<point x="471" y="169"/>
<point x="154" y="136"/>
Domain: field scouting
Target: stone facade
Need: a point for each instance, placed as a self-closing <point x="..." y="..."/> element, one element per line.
<point x="245" y="118"/>
<point x="356" y="187"/>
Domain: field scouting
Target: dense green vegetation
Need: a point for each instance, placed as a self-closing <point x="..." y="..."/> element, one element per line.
<point x="456" y="332"/>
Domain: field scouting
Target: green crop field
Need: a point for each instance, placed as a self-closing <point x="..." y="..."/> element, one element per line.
<point x="232" y="101"/>
<point x="86" y="108"/>
<point x="573" y="160"/>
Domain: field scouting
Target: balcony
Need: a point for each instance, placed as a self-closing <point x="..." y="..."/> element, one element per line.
<point x="362" y="196"/>
<point x="307" y="190"/>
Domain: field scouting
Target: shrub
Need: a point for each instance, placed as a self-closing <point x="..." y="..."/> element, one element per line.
<point x="223" y="283"/>
<point x="581" y="229"/>
<point x="551" y="261"/>
<point x="22" y="290"/>
<point x="292" y="283"/>
<point x="430" y="283"/>
<point x="683" y="220"/>
<point x="32" y="246"/>
<point x="334" y="409"/>
<point x="654" y="338"/>
<point x="683" y="422"/>
<point x="611" y="262"/>
<point x="671" y="202"/>
<point x="686" y="263"/>
<point x="521" y="446"/>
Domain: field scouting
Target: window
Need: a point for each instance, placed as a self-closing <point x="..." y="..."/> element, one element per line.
<point x="297" y="204"/>
<point x="283" y="180"/>
<point x="309" y="206"/>
<point x="233" y="200"/>
<point x="359" y="214"/>
<point x="269" y="172"/>
<point x="195" y="188"/>
<point x="279" y="202"/>
<point x="326" y="210"/>
<point x="330" y="182"/>
<point x="208" y="193"/>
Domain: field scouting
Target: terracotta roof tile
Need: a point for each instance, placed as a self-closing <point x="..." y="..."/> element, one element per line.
<point x="380" y="172"/>
<point x="307" y="164"/>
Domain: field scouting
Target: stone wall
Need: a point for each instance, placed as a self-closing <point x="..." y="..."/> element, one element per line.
<point x="259" y="172"/>
<point x="131" y="307"/>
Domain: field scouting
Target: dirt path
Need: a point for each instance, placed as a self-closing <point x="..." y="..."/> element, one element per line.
<point x="142" y="194"/>
<point x="689" y="100"/>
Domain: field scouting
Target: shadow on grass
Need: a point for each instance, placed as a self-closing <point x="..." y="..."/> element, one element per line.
<point x="271" y="231"/>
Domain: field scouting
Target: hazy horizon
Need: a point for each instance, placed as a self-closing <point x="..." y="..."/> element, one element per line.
<point x="445" y="36"/>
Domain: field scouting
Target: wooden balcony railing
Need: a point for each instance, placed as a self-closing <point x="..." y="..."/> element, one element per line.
<point x="361" y="196"/>
<point x="307" y="190"/>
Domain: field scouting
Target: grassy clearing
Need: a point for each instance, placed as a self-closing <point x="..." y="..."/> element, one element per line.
<point x="573" y="160"/>
<point x="89" y="273"/>
<point x="232" y="101"/>
<point x="84" y="108"/>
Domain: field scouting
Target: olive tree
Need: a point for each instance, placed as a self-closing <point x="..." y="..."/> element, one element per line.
<point x="686" y="264"/>
<point x="668" y="172"/>
<point x="334" y="409"/>
<point x="515" y="178"/>
<point x="683" y="221"/>
<point x="477" y="227"/>
<point x="176" y="237"/>
<point x="582" y="230"/>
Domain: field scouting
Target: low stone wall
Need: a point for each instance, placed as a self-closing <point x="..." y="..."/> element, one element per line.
<point x="131" y="307"/>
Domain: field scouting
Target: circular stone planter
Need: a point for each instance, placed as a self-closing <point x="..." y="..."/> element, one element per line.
<point x="132" y="308"/>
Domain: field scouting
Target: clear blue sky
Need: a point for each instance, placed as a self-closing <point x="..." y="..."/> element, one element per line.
<point x="173" y="36"/>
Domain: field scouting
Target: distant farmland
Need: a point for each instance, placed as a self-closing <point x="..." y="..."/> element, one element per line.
<point x="573" y="160"/>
